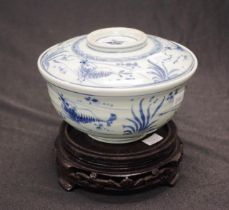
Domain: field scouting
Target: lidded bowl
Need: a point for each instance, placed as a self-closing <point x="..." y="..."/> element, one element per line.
<point x="117" y="84"/>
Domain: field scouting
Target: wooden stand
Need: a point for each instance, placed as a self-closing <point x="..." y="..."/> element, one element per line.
<point x="83" y="161"/>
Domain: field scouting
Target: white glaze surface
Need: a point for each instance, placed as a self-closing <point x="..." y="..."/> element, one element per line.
<point x="116" y="119"/>
<point x="117" y="94"/>
<point x="157" y="65"/>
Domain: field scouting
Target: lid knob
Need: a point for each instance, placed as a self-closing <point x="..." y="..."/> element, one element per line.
<point x="117" y="39"/>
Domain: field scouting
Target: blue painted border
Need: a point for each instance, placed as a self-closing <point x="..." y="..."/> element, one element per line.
<point x="76" y="49"/>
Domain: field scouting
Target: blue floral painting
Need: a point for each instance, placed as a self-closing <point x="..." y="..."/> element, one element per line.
<point x="142" y="121"/>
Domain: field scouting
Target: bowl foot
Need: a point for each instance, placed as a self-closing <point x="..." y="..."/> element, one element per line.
<point x="82" y="161"/>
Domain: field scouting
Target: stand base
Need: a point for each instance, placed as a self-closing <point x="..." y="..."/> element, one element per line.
<point x="83" y="161"/>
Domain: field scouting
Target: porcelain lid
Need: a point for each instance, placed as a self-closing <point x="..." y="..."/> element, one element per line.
<point x="117" y="60"/>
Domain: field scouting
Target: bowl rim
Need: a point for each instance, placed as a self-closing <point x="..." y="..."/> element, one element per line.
<point x="124" y="91"/>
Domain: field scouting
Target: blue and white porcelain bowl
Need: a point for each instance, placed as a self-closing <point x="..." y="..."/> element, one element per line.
<point x="117" y="84"/>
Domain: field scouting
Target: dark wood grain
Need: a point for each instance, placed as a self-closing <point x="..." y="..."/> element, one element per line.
<point x="83" y="161"/>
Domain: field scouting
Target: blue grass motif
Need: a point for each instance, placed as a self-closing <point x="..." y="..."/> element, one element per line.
<point x="142" y="121"/>
<point x="161" y="74"/>
<point x="89" y="71"/>
<point x="56" y="56"/>
<point x="73" y="114"/>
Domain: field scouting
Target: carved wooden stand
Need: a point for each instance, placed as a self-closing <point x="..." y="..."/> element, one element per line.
<point x="82" y="161"/>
